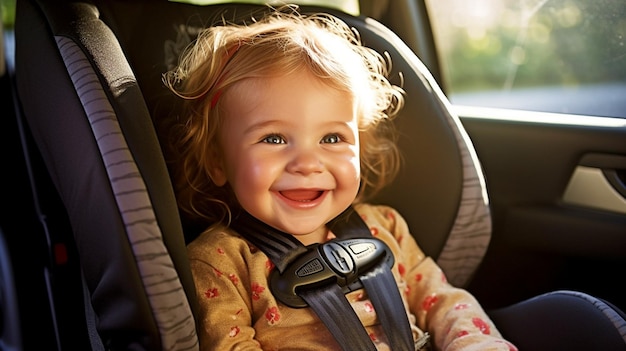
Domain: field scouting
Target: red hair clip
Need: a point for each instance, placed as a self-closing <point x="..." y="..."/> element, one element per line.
<point x="229" y="54"/>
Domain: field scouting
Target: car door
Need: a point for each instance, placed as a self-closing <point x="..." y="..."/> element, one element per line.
<point x="540" y="87"/>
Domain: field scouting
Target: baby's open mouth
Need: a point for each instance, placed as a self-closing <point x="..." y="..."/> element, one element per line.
<point x="302" y="195"/>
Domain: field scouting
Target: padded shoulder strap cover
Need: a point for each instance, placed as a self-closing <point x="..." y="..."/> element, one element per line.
<point x="92" y="127"/>
<point x="447" y="209"/>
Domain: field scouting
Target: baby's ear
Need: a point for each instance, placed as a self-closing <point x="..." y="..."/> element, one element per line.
<point x="218" y="177"/>
<point x="217" y="173"/>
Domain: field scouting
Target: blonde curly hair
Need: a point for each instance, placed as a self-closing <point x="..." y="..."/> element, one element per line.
<point x="282" y="42"/>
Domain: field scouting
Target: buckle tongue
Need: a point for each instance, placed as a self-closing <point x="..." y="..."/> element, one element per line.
<point x="339" y="262"/>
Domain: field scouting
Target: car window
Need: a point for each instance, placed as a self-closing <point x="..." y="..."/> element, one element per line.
<point x="563" y="56"/>
<point x="7" y="16"/>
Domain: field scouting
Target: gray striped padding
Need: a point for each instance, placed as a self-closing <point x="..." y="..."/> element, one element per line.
<point x="163" y="288"/>
<point x="471" y="231"/>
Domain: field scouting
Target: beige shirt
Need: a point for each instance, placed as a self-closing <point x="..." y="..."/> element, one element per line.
<point x="238" y="312"/>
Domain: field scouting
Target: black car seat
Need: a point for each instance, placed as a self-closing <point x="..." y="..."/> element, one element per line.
<point x="89" y="93"/>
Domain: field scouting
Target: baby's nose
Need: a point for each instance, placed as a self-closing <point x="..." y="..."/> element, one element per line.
<point x="305" y="162"/>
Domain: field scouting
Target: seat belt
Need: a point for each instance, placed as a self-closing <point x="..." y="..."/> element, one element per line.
<point x="320" y="275"/>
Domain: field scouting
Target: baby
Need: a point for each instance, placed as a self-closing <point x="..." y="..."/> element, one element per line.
<point x="287" y="121"/>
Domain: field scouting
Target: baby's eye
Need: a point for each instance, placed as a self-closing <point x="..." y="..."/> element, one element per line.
<point x="331" y="139"/>
<point x="273" y="139"/>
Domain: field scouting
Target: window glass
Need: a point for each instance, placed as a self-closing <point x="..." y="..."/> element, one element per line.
<point x="7" y="16"/>
<point x="564" y="56"/>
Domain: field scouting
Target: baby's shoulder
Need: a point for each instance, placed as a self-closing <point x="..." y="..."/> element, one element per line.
<point x="218" y="241"/>
<point x="379" y="215"/>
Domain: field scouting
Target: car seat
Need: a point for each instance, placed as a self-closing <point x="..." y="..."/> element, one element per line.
<point x="89" y="94"/>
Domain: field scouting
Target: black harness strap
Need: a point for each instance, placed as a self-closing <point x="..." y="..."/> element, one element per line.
<point x="320" y="275"/>
<point x="378" y="282"/>
<point x="279" y="247"/>
<point x="391" y="314"/>
<point x="331" y="305"/>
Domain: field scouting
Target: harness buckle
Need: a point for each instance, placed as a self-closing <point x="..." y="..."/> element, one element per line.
<point x="337" y="261"/>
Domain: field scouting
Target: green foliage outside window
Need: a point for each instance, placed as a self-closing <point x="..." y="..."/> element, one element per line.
<point x="7" y="9"/>
<point x="501" y="45"/>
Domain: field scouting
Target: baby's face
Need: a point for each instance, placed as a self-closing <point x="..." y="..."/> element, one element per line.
<point x="290" y="152"/>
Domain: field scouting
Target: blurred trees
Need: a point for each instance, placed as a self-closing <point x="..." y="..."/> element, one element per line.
<point x="505" y="44"/>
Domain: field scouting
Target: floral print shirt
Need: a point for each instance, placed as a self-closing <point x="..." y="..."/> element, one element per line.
<point x="238" y="312"/>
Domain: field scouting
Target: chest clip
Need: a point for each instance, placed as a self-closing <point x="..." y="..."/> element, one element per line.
<point x="339" y="262"/>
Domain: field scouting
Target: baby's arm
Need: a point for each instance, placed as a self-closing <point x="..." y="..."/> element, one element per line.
<point x="224" y="317"/>
<point x="224" y="314"/>
<point x="452" y="316"/>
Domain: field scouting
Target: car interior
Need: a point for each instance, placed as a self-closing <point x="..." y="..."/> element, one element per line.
<point x="96" y="258"/>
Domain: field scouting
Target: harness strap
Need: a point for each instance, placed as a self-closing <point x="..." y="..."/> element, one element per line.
<point x="281" y="248"/>
<point x="391" y="314"/>
<point x="377" y="282"/>
<point x="321" y="282"/>
<point x="332" y="307"/>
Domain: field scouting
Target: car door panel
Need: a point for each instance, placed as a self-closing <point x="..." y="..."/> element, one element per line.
<point x="552" y="229"/>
